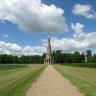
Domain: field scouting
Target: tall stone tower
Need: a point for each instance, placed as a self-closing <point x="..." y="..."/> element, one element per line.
<point x="48" y="59"/>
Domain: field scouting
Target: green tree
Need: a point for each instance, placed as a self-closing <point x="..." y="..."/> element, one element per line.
<point x="63" y="57"/>
<point x="69" y="58"/>
<point x="89" y="56"/>
<point x="2" y="58"/>
<point x="43" y="57"/>
<point x="76" y="57"/>
<point x="9" y="59"/>
<point x="58" y="56"/>
<point x="94" y="58"/>
<point x="54" y="56"/>
<point x="15" y="59"/>
<point x="82" y="57"/>
<point x="22" y="59"/>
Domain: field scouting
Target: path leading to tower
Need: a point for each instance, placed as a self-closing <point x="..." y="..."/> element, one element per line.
<point x="51" y="83"/>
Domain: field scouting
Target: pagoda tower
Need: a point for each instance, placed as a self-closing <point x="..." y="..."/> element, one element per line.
<point x="48" y="59"/>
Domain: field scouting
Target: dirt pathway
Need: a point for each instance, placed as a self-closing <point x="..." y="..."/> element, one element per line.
<point x="51" y="83"/>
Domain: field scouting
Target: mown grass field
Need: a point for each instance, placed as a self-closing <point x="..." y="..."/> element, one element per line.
<point x="15" y="80"/>
<point x="82" y="77"/>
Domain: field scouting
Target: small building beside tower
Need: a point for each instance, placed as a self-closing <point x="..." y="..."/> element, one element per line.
<point x="48" y="59"/>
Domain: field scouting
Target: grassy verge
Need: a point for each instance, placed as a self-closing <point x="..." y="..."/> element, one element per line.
<point x="17" y="81"/>
<point x="4" y="67"/>
<point x="90" y="65"/>
<point x="82" y="77"/>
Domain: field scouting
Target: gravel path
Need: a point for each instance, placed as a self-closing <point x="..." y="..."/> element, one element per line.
<point x="51" y="83"/>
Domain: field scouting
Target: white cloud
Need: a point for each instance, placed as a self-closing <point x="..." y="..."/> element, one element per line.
<point x="81" y="41"/>
<point x="33" y="15"/>
<point x="79" y="34"/>
<point x="84" y="10"/>
<point x="9" y="48"/>
<point x="5" y="35"/>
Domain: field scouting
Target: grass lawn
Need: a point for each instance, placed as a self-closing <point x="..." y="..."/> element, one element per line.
<point x="82" y="77"/>
<point x="15" y="80"/>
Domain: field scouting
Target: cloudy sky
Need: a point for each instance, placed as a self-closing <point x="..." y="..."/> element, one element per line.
<point x="25" y="25"/>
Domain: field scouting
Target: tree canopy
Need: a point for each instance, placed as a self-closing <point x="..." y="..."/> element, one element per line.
<point x="58" y="56"/>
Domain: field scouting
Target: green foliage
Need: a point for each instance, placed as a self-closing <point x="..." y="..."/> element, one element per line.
<point x="33" y="59"/>
<point x="2" y="58"/>
<point x="94" y="58"/>
<point x="15" y="59"/>
<point x="9" y="59"/>
<point x="75" y="57"/>
<point x="82" y="57"/>
<point x="89" y="56"/>
<point x="58" y="56"/>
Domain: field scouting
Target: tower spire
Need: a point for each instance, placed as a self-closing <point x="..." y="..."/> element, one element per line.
<point x="49" y="41"/>
<point x="48" y="59"/>
<point x="48" y="35"/>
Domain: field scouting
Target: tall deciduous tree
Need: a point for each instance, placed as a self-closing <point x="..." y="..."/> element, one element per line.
<point x="89" y="56"/>
<point x="58" y="56"/>
<point x="9" y="59"/>
<point x="83" y="58"/>
<point x="94" y="58"/>
<point x="15" y="59"/>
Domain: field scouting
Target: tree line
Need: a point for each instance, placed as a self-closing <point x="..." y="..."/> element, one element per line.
<point x="58" y="56"/>
<point x="10" y="59"/>
<point x="75" y="57"/>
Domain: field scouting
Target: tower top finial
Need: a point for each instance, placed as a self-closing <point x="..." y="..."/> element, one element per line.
<point x="48" y="36"/>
